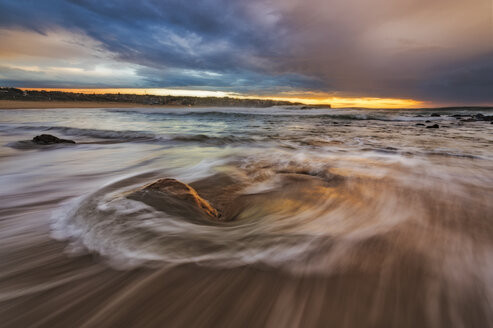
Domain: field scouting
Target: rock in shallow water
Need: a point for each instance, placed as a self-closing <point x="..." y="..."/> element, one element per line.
<point x="474" y="118"/>
<point x="434" y="126"/>
<point x="48" y="139"/>
<point x="175" y="197"/>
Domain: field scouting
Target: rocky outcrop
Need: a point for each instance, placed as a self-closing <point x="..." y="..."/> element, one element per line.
<point x="176" y="198"/>
<point x="481" y="117"/>
<point x="434" y="126"/>
<point x="322" y="106"/>
<point x="48" y="139"/>
<point x="473" y="117"/>
<point x="223" y="197"/>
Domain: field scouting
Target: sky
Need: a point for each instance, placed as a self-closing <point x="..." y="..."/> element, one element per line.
<point x="388" y="53"/>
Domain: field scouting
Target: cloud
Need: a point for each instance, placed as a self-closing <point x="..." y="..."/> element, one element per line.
<point x="60" y="59"/>
<point x="432" y="50"/>
<point x="471" y="82"/>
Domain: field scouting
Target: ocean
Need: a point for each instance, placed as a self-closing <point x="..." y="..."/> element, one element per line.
<point x="331" y="217"/>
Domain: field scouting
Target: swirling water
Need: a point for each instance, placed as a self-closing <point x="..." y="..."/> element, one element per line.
<point x="343" y="217"/>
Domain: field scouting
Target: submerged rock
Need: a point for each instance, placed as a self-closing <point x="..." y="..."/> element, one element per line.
<point x="435" y="115"/>
<point x="481" y="117"/>
<point x="434" y="126"/>
<point x="175" y="197"/>
<point x="48" y="139"/>
<point x="474" y="118"/>
<point x="420" y="124"/>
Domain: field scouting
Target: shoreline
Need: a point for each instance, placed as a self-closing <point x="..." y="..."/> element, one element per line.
<point x="43" y="104"/>
<point x="21" y="104"/>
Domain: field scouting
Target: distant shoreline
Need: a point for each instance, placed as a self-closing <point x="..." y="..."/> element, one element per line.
<point x="45" y="104"/>
<point x="71" y="99"/>
<point x="22" y="104"/>
<point x="27" y="104"/>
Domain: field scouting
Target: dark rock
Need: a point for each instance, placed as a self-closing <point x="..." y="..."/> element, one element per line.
<point x="434" y="126"/>
<point x="420" y="124"/>
<point x="48" y="139"/>
<point x="176" y="198"/>
<point x="474" y="118"/>
<point x="316" y="106"/>
<point x="481" y="117"/>
<point x="435" y="115"/>
<point x="427" y="121"/>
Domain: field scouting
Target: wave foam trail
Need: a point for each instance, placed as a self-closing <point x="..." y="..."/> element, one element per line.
<point x="222" y="217"/>
<point x="297" y="215"/>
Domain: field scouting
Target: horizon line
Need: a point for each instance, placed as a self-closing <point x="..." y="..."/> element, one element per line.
<point x="308" y="99"/>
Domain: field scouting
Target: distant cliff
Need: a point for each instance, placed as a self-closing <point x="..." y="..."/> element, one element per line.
<point x="33" y="95"/>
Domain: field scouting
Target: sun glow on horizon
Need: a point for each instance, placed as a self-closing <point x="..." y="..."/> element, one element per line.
<point x="347" y="102"/>
<point x="143" y="91"/>
<point x="310" y="99"/>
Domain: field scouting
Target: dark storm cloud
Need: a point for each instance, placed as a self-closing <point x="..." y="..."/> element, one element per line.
<point x="389" y="48"/>
<point x="409" y="48"/>
<point x="235" y="81"/>
<point x="217" y="36"/>
<point x="469" y="82"/>
<point x="149" y="32"/>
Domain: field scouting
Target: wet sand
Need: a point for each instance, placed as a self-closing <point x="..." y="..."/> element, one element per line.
<point x="370" y="222"/>
<point x="82" y="292"/>
<point x="389" y="280"/>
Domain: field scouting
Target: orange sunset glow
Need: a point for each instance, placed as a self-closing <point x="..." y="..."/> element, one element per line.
<point x="319" y="99"/>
